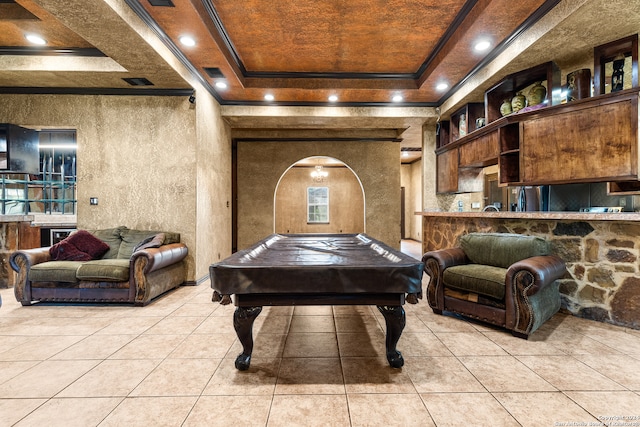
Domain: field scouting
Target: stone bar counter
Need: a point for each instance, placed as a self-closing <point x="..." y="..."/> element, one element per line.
<point x="601" y="250"/>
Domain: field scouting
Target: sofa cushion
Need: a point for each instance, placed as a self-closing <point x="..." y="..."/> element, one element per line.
<point x="480" y="279"/>
<point x="132" y="238"/>
<point x="55" y="271"/>
<point x="111" y="236"/>
<point x="502" y="249"/>
<point x="104" y="270"/>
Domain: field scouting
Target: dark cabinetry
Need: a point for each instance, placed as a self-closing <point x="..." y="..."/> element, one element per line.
<point x="447" y="171"/>
<point x="589" y="140"/>
<point x="18" y="149"/>
<point x="594" y="140"/>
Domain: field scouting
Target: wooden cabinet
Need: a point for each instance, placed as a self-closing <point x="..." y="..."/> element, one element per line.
<point x="480" y="152"/>
<point x="588" y="140"/>
<point x="594" y="140"/>
<point x="447" y="171"/>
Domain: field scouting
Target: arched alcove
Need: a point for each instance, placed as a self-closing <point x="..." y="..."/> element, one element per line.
<point x="346" y="198"/>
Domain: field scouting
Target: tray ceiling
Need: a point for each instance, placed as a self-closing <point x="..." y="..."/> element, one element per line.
<point x="364" y="52"/>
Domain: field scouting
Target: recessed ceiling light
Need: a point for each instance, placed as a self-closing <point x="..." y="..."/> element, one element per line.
<point x="333" y="98"/>
<point x="221" y="84"/>
<point x="35" y="39"/>
<point x="397" y="98"/>
<point x="405" y="154"/>
<point x="187" y="41"/>
<point x="269" y="97"/>
<point x="442" y="86"/>
<point x="482" y="45"/>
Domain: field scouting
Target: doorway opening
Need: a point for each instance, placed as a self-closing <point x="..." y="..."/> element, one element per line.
<point x="319" y="194"/>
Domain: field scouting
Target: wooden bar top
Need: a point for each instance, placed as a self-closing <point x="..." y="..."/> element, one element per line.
<point x="539" y="215"/>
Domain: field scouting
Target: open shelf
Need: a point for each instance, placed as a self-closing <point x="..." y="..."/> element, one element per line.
<point x="548" y="73"/>
<point x="472" y="111"/>
<point x="442" y="134"/>
<point x="509" y="167"/>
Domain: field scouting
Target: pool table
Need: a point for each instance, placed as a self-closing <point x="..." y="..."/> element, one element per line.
<point x="317" y="269"/>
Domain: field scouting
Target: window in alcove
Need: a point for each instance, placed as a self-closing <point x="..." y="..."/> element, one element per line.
<point x="318" y="205"/>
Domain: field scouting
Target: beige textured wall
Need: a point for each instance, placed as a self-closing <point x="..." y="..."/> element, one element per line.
<point x="213" y="185"/>
<point x="409" y="197"/>
<point x="346" y="202"/>
<point x="429" y="199"/>
<point x="138" y="155"/>
<point x="411" y="179"/>
<point x="261" y="164"/>
<point x="416" y="200"/>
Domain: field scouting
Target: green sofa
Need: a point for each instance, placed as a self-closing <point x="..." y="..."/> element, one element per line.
<point x="509" y="280"/>
<point x="138" y="266"/>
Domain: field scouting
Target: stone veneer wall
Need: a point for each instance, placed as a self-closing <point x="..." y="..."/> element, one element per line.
<point x="602" y="281"/>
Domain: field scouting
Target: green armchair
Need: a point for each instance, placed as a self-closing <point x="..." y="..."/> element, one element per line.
<point x="508" y="280"/>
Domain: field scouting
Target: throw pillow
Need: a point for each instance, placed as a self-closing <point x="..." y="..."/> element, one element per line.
<point x="154" y="241"/>
<point x="79" y="246"/>
<point x="88" y="243"/>
<point x="65" y="251"/>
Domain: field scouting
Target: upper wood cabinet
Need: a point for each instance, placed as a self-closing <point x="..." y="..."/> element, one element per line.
<point x="589" y="140"/>
<point x="480" y="152"/>
<point x="447" y="171"/>
<point x="593" y="140"/>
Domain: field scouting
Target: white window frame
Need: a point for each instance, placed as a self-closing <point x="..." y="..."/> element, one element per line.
<point x="312" y="217"/>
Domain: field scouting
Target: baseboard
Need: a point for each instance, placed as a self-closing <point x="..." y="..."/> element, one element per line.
<point x="195" y="282"/>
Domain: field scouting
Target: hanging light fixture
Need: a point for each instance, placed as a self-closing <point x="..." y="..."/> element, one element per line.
<point x="319" y="174"/>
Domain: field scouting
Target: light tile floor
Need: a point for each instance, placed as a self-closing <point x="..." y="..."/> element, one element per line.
<point x="172" y="364"/>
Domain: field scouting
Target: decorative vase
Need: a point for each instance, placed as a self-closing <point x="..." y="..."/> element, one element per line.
<point x="462" y="126"/>
<point x="518" y="102"/>
<point x="537" y="93"/>
<point x="617" y="77"/>
<point x="505" y="108"/>
<point x="578" y="84"/>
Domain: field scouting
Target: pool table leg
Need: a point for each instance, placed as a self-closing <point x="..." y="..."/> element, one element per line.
<point x="243" y="319"/>
<point x="395" y="319"/>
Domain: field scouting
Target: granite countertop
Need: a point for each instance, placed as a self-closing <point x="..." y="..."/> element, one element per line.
<point x="573" y="216"/>
<point x="54" y="220"/>
<point x="43" y="220"/>
<point x="16" y="218"/>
